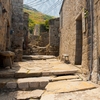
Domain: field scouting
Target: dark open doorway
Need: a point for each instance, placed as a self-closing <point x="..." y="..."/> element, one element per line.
<point x="78" y="55"/>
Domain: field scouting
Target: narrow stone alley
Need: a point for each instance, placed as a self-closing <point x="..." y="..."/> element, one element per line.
<point x="43" y="77"/>
<point x="45" y="57"/>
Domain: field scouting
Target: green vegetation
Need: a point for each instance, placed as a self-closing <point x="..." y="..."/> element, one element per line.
<point x="31" y="25"/>
<point x="36" y="17"/>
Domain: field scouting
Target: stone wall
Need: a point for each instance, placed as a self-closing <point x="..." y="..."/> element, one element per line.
<point x="5" y="24"/>
<point x="96" y="41"/>
<point x="54" y="32"/>
<point x="40" y="36"/>
<point x="74" y="33"/>
<point x="26" y="31"/>
<point x="53" y="47"/>
<point x="17" y="26"/>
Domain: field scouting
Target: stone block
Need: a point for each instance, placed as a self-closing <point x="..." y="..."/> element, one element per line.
<point x="43" y="84"/>
<point x="34" y="85"/>
<point x="11" y="85"/>
<point x="67" y="86"/>
<point x="23" y="84"/>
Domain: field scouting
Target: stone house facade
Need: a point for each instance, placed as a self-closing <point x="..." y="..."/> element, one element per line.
<point x="79" y="38"/>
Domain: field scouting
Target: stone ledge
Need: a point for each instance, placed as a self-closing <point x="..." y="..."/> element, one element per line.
<point x="25" y="83"/>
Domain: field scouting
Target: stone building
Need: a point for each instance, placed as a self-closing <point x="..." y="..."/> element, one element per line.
<point x="53" y="47"/>
<point x="79" y="38"/>
<point x="5" y="24"/>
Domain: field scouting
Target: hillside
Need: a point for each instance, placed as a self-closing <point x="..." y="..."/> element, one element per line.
<point x="35" y="17"/>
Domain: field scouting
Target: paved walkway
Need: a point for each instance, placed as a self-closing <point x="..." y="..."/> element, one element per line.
<point x="38" y="68"/>
<point x="48" y="79"/>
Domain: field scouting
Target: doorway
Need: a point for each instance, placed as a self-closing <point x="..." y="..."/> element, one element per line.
<point x="78" y="55"/>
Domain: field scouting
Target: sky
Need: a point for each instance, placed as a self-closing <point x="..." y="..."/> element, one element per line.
<point x="49" y="7"/>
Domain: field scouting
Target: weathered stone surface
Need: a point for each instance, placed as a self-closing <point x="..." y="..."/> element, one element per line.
<point x="17" y="28"/>
<point x="3" y="82"/>
<point x="65" y="86"/>
<point x="35" y="68"/>
<point x="43" y="84"/>
<point x="54" y="39"/>
<point x="61" y="69"/>
<point x="76" y="38"/>
<point x="48" y="97"/>
<point x="92" y="94"/>
<point x="46" y="73"/>
<point x="11" y="85"/>
<point x="22" y="95"/>
<point x="34" y="85"/>
<point x="25" y="74"/>
<point x="23" y="84"/>
<point x="5" y="24"/>
<point x="26" y="95"/>
<point x="63" y="72"/>
<point x="69" y="77"/>
<point x="37" y="57"/>
<point x="25" y="31"/>
<point x="7" y="75"/>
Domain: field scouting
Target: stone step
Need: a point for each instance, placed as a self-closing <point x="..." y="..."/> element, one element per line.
<point x="32" y="83"/>
<point x="50" y="67"/>
<point x="38" y="57"/>
<point x="22" y="95"/>
<point x="69" y="77"/>
<point x="25" y="83"/>
<point x="27" y="74"/>
<point x="68" y="86"/>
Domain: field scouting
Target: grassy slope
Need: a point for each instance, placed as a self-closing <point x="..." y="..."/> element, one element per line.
<point x="37" y="17"/>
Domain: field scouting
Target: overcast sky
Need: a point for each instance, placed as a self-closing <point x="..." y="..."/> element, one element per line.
<point x="49" y="7"/>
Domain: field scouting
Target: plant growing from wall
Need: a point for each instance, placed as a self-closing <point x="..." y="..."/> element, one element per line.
<point x="85" y="13"/>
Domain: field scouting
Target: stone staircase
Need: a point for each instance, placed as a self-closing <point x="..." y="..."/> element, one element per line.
<point x="31" y="85"/>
